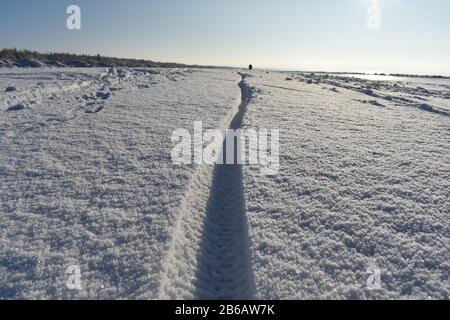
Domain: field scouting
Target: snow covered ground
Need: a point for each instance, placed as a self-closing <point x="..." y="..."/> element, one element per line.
<point x="363" y="183"/>
<point x="86" y="179"/>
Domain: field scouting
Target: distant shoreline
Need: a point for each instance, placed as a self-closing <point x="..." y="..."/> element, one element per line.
<point x="358" y="73"/>
<point x="13" y="58"/>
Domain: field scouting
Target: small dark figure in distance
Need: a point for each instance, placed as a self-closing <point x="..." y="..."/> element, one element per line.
<point x="250" y="67"/>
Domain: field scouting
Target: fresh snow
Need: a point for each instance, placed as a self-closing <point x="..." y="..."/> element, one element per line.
<point x="364" y="180"/>
<point x="86" y="179"/>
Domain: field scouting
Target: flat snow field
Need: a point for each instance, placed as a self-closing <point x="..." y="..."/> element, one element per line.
<point x="87" y="180"/>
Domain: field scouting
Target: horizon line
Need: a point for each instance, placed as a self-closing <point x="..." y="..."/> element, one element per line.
<point x="262" y="68"/>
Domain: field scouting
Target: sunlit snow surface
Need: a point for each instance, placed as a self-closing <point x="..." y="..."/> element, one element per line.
<point x="364" y="180"/>
<point x="86" y="179"/>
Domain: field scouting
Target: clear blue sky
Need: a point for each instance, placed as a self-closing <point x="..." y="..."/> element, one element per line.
<point x="293" y="34"/>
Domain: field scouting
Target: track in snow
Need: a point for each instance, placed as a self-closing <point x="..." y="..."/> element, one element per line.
<point x="209" y="255"/>
<point x="224" y="268"/>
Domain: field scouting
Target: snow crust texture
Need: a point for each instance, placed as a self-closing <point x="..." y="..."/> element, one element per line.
<point x="363" y="182"/>
<point x="86" y="179"/>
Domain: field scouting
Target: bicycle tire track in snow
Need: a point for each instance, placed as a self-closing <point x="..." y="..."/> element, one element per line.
<point x="209" y="256"/>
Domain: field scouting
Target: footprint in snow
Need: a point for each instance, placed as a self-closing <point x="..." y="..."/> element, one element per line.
<point x="11" y="89"/>
<point x="104" y="95"/>
<point x="18" y="107"/>
<point x="93" y="107"/>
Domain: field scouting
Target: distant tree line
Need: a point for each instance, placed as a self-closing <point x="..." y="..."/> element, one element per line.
<point x="27" y="58"/>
